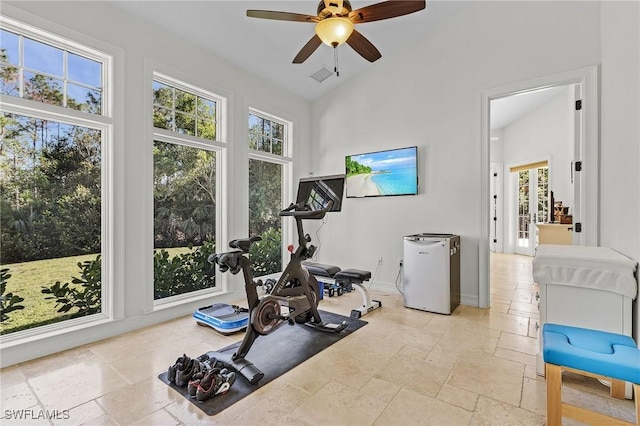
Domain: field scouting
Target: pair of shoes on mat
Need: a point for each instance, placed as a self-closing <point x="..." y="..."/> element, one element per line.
<point x="177" y="366"/>
<point x="185" y="368"/>
<point x="214" y="382"/>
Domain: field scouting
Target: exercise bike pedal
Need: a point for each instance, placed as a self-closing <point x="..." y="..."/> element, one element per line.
<point x="328" y="327"/>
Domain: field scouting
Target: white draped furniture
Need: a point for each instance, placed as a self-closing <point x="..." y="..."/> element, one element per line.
<point x="584" y="286"/>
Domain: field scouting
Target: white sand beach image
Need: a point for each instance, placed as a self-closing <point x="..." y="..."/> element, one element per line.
<point x="392" y="172"/>
<point x="362" y="186"/>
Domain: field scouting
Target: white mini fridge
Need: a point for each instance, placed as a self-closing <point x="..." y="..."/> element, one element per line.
<point x="431" y="272"/>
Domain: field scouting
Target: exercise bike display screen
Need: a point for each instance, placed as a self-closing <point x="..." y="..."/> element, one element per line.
<point x="318" y="191"/>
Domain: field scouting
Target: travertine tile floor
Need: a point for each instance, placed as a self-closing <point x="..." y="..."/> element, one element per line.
<point x="476" y="366"/>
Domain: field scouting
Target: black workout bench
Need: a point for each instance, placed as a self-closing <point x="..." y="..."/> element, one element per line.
<point x="344" y="280"/>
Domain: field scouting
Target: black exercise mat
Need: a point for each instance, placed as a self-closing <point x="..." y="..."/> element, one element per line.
<point x="274" y="354"/>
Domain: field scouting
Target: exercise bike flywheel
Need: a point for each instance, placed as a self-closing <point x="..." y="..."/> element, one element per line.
<point x="266" y="316"/>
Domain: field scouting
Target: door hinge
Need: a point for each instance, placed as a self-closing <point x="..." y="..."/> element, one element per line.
<point x="578" y="227"/>
<point x="578" y="166"/>
<point x="579" y="105"/>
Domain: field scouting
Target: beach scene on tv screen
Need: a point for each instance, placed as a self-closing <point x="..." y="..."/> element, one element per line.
<point x="382" y="173"/>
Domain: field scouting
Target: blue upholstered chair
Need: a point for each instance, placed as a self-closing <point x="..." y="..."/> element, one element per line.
<point x="590" y="353"/>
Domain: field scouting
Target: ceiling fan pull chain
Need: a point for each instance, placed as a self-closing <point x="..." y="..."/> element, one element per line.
<point x="335" y="61"/>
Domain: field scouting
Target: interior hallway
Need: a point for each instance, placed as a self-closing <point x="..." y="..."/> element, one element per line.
<point x="476" y="366"/>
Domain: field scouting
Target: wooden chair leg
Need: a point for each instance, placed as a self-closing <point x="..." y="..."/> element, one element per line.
<point x="617" y="389"/>
<point x="554" y="394"/>
<point x="636" y="396"/>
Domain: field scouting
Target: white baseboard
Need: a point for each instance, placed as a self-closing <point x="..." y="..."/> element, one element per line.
<point x="469" y="301"/>
<point x="383" y="287"/>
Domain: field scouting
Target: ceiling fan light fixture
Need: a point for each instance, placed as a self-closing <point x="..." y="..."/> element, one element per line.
<point x="334" y="31"/>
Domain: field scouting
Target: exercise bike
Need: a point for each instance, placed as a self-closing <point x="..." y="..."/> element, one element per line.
<point x="293" y="299"/>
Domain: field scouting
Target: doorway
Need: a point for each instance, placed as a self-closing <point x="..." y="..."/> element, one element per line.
<point x="584" y="149"/>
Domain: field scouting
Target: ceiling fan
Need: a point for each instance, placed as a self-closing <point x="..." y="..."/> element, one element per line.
<point x="335" y="24"/>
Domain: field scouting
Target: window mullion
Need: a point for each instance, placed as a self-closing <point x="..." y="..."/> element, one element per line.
<point x="15" y="105"/>
<point x="267" y="156"/>
<point x="21" y="66"/>
<point x="65" y="77"/>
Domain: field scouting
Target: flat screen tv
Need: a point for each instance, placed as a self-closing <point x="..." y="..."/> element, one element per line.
<point x="382" y="173"/>
<point x="318" y="191"/>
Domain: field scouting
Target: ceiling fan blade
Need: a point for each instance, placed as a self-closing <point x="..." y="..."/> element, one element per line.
<point x="386" y="10"/>
<point x="307" y="49"/>
<point x="281" y="16"/>
<point x="364" y="47"/>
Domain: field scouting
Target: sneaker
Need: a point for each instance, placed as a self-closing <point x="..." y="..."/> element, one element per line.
<point x="204" y="357"/>
<point x="207" y="365"/>
<point x="214" y="383"/>
<point x="211" y="362"/>
<point x="230" y="376"/>
<point x="185" y="374"/>
<point x="192" y="387"/>
<point x="179" y="365"/>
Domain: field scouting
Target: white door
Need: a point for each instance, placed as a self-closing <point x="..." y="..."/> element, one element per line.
<point x="533" y="207"/>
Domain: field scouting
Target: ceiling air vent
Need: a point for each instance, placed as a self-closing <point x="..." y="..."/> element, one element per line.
<point x="322" y="74"/>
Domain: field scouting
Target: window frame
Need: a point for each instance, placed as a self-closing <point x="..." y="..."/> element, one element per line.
<point x="219" y="147"/>
<point x="186" y="87"/>
<point x="103" y="122"/>
<point x="286" y="160"/>
<point x="65" y="44"/>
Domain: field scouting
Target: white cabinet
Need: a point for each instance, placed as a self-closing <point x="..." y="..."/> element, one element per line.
<point x="555" y="233"/>
<point x="590" y="287"/>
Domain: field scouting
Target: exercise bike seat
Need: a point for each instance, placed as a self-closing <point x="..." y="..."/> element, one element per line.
<point x="243" y="243"/>
<point x="320" y="270"/>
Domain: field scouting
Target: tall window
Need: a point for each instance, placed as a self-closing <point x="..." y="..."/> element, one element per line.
<point x="269" y="166"/>
<point x="543" y="195"/>
<point x="185" y="157"/>
<point x="533" y="203"/>
<point x="524" y="208"/>
<point x="52" y="144"/>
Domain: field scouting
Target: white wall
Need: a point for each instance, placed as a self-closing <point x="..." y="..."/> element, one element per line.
<point x="142" y="49"/>
<point x="428" y="94"/>
<point x="545" y="134"/>
<point x="620" y="130"/>
<point x="496" y="146"/>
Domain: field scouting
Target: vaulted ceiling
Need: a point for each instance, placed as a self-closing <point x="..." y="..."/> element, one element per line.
<point x="267" y="47"/>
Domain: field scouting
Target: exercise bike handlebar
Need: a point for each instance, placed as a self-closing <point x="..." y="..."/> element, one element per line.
<point x="304" y="211"/>
<point x="230" y="261"/>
